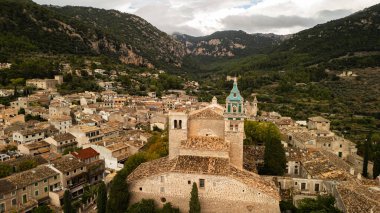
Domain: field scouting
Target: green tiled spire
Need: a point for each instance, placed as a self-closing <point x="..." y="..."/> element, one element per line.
<point x="235" y="94"/>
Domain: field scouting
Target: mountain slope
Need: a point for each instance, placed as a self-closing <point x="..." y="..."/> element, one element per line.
<point x="29" y="27"/>
<point x="229" y="43"/>
<point x="355" y="33"/>
<point x="146" y="40"/>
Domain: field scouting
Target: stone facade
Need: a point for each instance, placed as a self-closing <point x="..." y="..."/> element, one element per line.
<point x="176" y="188"/>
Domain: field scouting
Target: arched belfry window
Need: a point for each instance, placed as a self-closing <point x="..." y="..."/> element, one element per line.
<point x="234" y="109"/>
<point x="175" y="124"/>
<point x="180" y="124"/>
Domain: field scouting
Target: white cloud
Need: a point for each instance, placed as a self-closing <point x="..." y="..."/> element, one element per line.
<point x="201" y="17"/>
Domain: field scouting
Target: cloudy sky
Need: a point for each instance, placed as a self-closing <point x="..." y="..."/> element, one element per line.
<point x="202" y="17"/>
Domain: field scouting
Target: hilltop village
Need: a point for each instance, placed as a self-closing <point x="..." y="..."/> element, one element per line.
<point x="52" y="143"/>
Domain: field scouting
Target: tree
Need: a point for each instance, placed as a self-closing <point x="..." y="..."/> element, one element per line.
<point x="367" y="148"/>
<point x="21" y="111"/>
<point x="5" y="170"/>
<point x="274" y="154"/>
<point x="195" y="206"/>
<point x="119" y="194"/>
<point x="376" y="157"/>
<point x="101" y="201"/>
<point x="168" y="208"/>
<point x="27" y="164"/>
<point x="42" y="209"/>
<point x="67" y="205"/>
<point x="320" y="204"/>
<point x="144" y="206"/>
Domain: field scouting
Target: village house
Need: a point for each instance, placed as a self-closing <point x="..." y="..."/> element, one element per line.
<point x="86" y="134"/>
<point x="59" y="109"/>
<point x="60" y="142"/>
<point x="95" y="166"/>
<point x="47" y="84"/>
<point x="34" y="148"/>
<point x="38" y="111"/>
<point x="114" y="151"/>
<point x="28" y="135"/>
<point x="73" y="174"/>
<point x="6" y="92"/>
<point x="62" y="123"/>
<point x="23" y="102"/>
<point x="23" y="191"/>
<point x="10" y="116"/>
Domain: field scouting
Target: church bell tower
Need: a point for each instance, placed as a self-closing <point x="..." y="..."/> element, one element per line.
<point x="234" y="117"/>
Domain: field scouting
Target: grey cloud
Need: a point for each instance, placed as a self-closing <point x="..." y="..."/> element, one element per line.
<point x="328" y="15"/>
<point x="106" y="4"/>
<point x="261" y="23"/>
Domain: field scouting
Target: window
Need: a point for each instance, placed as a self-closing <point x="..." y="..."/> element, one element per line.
<point x="24" y="199"/>
<point x="180" y="124"/>
<point x="2" y="207"/>
<point x="201" y="183"/>
<point x="55" y="177"/>
<point x="36" y="184"/>
<point x="295" y="183"/>
<point x="36" y="193"/>
<point x="14" y="202"/>
<point x="340" y="145"/>
<point x="24" y="189"/>
<point x="162" y="179"/>
<point x="14" y="193"/>
<point x="67" y="173"/>
<point x="46" y="189"/>
<point x="45" y="180"/>
<point x="140" y="188"/>
<point x="340" y="154"/>
<point x="188" y="182"/>
<point x="316" y="187"/>
<point x="162" y="189"/>
<point x="303" y="186"/>
<point x="231" y="127"/>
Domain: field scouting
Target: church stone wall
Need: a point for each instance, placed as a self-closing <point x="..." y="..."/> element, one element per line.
<point x="175" y="138"/>
<point x="200" y="127"/>
<point x="220" y="194"/>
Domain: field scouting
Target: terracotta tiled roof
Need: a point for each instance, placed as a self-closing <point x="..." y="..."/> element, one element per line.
<point x="205" y="143"/>
<point x="67" y="164"/>
<point x="85" y="153"/>
<point x="318" y="119"/>
<point x="31" y="176"/>
<point x="6" y="186"/>
<point x="358" y="198"/>
<point x="63" y="137"/>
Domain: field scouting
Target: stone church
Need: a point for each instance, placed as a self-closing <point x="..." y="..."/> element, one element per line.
<point x="206" y="147"/>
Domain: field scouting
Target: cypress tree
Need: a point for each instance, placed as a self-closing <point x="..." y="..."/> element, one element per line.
<point x="119" y="194"/>
<point x="274" y="153"/>
<point x="67" y="206"/>
<point x="366" y="155"/>
<point x="195" y="206"/>
<point x="376" y="160"/>
<point x="376" y="165"/>
<point x="101" y="201"/>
